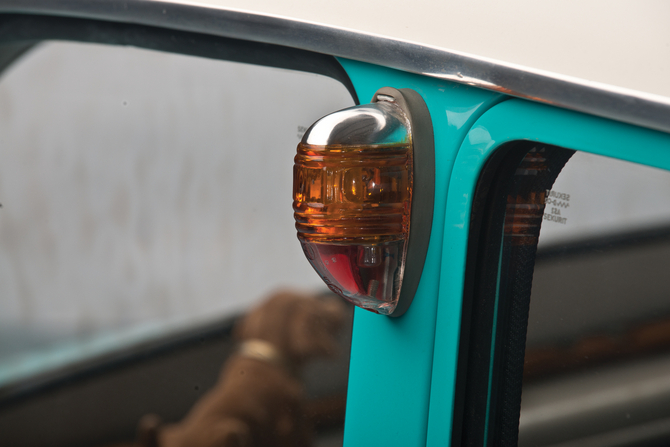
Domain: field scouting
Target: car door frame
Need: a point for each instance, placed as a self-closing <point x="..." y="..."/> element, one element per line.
<point x="510" y="121"/>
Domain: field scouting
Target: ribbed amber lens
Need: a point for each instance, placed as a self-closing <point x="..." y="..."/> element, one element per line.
<point x="352" y="212"/>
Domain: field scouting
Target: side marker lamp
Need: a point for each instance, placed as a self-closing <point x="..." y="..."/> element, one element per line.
<point x="363" y="192"/>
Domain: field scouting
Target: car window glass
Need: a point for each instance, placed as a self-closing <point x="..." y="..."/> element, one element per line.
<point x="597" y="363"/>
<point x="146" y="203"/>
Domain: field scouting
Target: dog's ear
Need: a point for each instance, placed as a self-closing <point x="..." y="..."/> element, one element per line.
<point x="314" y="327"/>
<point x="244" y="326"/>
<point x="267" y="321"/>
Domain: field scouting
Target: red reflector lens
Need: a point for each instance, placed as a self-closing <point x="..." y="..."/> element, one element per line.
<point x="367" y="275"/>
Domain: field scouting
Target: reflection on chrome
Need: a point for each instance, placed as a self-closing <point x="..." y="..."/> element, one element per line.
<point x="378" y="124"/>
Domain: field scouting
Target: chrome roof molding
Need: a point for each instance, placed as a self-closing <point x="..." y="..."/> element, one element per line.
<point x="603" y="100"/>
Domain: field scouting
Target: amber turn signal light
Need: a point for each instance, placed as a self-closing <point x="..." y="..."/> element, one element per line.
<point x="363" y="189"/>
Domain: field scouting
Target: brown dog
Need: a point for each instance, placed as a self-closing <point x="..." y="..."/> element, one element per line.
<point x="258" y="400"/>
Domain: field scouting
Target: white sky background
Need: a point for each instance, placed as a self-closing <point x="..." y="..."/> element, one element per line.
<point x="139" y="186"/>
<point x="624" y="43"/>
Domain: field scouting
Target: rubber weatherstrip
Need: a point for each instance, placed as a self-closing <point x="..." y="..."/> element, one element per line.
<point x="504" y="228"/>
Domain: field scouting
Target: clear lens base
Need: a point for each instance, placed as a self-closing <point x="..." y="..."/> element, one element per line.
<point x="367" y="275"/>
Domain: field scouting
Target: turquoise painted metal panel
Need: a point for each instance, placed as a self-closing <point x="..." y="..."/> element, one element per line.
<point x="391" y="358"/>
<point x="509" y="121"/>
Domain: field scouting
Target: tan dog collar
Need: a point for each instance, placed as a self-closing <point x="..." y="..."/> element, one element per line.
<point x="264" y="351"/>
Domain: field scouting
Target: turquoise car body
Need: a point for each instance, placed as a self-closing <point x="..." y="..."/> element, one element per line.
<point x="421" y="349"/>
<point x="403" y="372"/>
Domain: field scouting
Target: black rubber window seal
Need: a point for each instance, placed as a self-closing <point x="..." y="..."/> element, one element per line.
<point x="496" y="296"/>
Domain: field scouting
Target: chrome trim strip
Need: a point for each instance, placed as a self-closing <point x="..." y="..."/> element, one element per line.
<point x="603" y="100"/>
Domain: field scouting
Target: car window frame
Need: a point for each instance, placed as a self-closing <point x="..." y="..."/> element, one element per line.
<point x="22" y="33"/>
